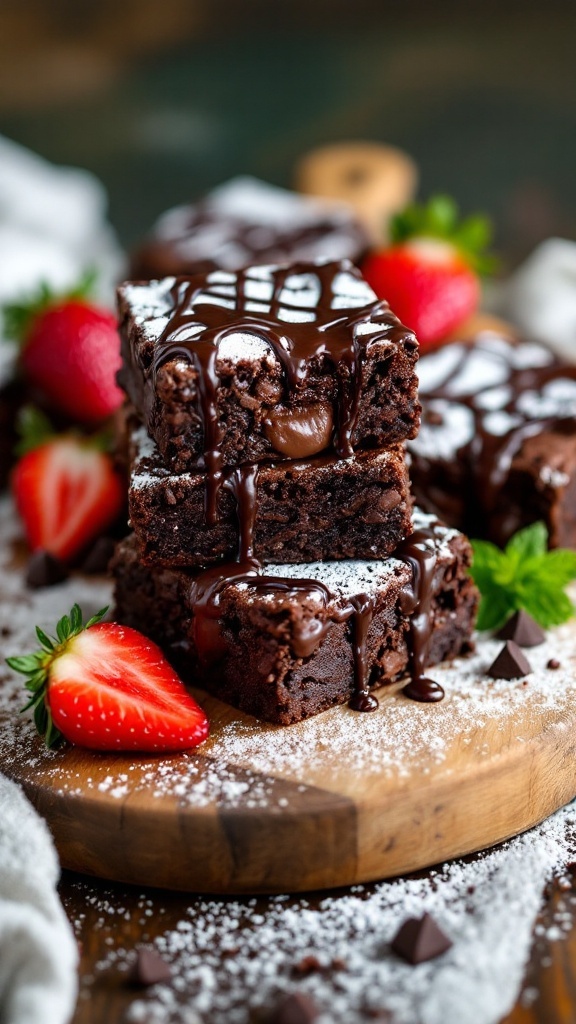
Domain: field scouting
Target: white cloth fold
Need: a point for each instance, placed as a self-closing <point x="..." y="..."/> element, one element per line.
<point x="38" y="951"/>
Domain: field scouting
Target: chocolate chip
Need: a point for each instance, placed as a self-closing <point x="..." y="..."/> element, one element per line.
<point x="98" y="557"/>
<point x="45" y="570"/>
<point x="553" y="663"/>
<point x="511" y="663"/>
<point x="296" y="1008"/>
<point x="523" y="630"/>
<point x="307" y="965"/>
<point x="420" y="939"/>
<point x="434" y="418"/>
<point x="149" y="968"/>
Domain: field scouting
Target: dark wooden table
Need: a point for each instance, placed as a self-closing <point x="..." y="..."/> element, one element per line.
<point x="549" y="986"/>
<point x="164" y="100"/>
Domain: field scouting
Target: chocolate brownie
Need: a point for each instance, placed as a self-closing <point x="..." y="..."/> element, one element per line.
<point x="299" y="511"/>
<point x="246" y="222"/>
<point x="497" y="446"/>
<point x="299" y="639"/>
<point x="270" y="363"/>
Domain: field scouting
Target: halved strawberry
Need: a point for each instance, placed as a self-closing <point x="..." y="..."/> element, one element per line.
<point x="67" y="493"/>
<point x="70" y="352"/>
<point x="106" y="687"/>
<point x="429" y="274"/>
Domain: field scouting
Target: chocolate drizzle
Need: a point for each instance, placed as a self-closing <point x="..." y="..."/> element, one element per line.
<point x="419" y="551"/>
<point x="296" y="332"/>
<point x="203" y="315"/>
<point x="183" y="236"/>
<point x="521" y="403"/>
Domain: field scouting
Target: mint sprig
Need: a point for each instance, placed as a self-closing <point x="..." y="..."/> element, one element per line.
<point x="440" y="218"/>
<point x="524" y="575"/>
<point x="36" y="668"/>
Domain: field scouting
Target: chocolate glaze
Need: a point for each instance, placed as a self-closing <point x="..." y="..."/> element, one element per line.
<point x="419" y="552"/>
<point x="178" y="244"/>
<point x="197" y="326"/>
<point x="491" y="449"/>
<point x="194" y="332"/>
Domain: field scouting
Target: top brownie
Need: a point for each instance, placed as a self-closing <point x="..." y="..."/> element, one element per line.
<point x="269" y="363"/>
<point x="247" y="222"/>
<point x="497" y="447"/>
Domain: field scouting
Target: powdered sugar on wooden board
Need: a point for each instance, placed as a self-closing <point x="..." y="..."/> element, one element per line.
<point x="233" y="959"/>
<point x="488" y="906"/>
<point x="242" y="757"/>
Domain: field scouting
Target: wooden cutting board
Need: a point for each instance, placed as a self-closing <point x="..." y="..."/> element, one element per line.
<point x="342" y="799"/>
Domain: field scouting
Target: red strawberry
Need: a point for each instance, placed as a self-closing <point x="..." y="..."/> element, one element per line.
<point x="429" y="272"/>
<point x="67" y="493"/>
<point x="107" y="687"/>
<point x="70" y="354"/>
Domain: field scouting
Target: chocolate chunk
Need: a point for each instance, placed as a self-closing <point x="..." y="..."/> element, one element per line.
<point x="553" y="664"/>
<point x="420" y="939"/>
<point x="296" y="1008"/>
<point x="307" y="965"/>
<point x="523" y="630"/>
<point x="149" y="968"/>
<point x="99" y="555"/>
<point x="511" y="663"/>
<point x="45" y="570"/>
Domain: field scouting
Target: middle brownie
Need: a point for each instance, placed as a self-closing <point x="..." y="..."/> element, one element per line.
<point x="266" y="364"/>
<point x="303" y="511"/>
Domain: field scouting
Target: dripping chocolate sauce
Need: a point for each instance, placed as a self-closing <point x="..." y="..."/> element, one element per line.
<point x="488" y="453"/>
<point x="243" y="243"/>
<point x="194" y="333"/>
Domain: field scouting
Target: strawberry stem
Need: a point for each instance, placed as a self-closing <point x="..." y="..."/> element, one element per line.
<point x="440" y="218"/>
<point x="19" y="316"/>
<point x="36" y="668"/>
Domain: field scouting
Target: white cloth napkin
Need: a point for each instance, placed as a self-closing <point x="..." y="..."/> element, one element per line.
<point x="52" y="228"/>
<point x="38" y="951"/>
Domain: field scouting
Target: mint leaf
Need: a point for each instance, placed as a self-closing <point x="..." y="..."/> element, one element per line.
<point x="525" y="575"/>
<point x="529" y="542"/>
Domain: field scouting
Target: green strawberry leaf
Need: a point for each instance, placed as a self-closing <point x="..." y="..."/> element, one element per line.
<point x="525" y="575"/>
<point x="36" y="667"/>
<point x="19" y="316"/>
<point x="439" y="218"/>
<point x="33" y="428"/>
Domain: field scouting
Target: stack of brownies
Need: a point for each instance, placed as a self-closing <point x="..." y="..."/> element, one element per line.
<point x="275" y="555"/>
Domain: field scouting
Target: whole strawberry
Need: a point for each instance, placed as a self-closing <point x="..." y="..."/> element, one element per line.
<point x="430" y="272"/>
<point x="106" y="687"/>
<point x="70" y="352"/>
<point x="65" y="487"/>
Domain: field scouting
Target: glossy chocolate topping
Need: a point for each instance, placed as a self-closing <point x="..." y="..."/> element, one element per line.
<point x="301" y="314"/>
<point x="245" y="223"/>
<point x="483" y="400"/>
<point x="419" y="551"/>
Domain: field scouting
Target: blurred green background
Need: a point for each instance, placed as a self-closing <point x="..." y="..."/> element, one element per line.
<point x="165" y="98"/>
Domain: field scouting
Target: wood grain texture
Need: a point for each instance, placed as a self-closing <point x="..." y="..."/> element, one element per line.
<point x="317" y="826"/>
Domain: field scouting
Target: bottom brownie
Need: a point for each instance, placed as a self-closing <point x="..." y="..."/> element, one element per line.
<point x="283" y="649"/>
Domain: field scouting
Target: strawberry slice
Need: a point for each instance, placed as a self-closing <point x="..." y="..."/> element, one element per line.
<point x="70" y="352"/>
<point x="106" y="687"/>
<point x="67" y="493"/>
<point x="430" y="272"/>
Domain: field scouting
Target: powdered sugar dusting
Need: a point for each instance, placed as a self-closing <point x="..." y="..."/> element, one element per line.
<point x="232" y="960"/>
